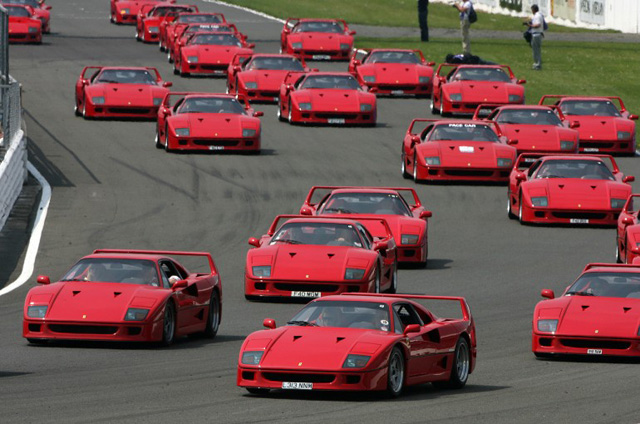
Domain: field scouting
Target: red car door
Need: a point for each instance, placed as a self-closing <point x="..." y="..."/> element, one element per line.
<point x="422" y="344"/>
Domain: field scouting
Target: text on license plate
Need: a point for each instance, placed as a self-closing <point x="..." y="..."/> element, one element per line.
<point x="216" y="147"/>
<point x="335" y="120"/>
<point x="578" y="221"/>
<point x="293" y="385"/>
<point x="591" y="149"/>
<point x="466" y="149"/>
<point x="594" y="351"/>
<point x="397" y="92"/>
<point x="218" y="71"/>
<point x="305" y="294"/>
<point x="321" y="57"/>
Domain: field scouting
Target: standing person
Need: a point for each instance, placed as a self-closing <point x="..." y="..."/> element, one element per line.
<point x="536" y="27"/>
<point x="464" y="8"/>
<point x="423" y="14"/>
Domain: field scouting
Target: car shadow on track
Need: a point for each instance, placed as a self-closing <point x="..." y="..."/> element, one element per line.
<point x="263" y="152"/>
<point x="431" y="264"/>
<point x="591" y="359"/>
<point x="190" y="342"/>
<point x="13" y="374"/>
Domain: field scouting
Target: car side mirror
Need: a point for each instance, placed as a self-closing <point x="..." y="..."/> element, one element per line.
<point x="431" y="63"/>
<point x="627" y="220"/>
<point x="47" y="7"/>
<point x="520" y="177"/>
<point x="164" y="111"/>
<point x="237" y="68"/>
<point x="633" y="117"/>
<point x="167" y="84"/>
<point x="521" y="81"/>
<point x="352" y="33"/>
<point x="426" y="214"/>
<point x="415" y="140"/>
<point x="511" y="142"/>
<point x="411" y="328"/>
<point x="381" y="245"/>
<point x="314" y="70"/>
<point x="85" y="82"/>
<point x="306" y="210"/>
<point x="288" y="88"/>
<point x="629" y="179"/>
<point x="269" y="323"/>
<point x="180" y="284"/>
<point x="356" y="63"/>
<point x="43" y="279"/>
<point x="635" y="250"/>
<point x="254" y="242"/>
<point x="251" y="45"/>
<point x="548" y="294"/>
<point x="574" y="124"/>
<point x="258" y="113"/>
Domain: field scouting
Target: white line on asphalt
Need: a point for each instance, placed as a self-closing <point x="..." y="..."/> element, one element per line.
<point x="36" y="233"/>
<point x="246" y="9"/>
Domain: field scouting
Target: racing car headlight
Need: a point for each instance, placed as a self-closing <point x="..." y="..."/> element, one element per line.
<point x="624" y="135"/>
<point x="37" y="311"/>
<point x="304" y="106"/>
<point x="136" y="314"/>
<point x="183" y="132"/>
<point x="456" y="97"/>
<point x="356" y="361"/>
<point x="409" y="239"/>
<point x="153" y="29"/>
<point x="539" y="201"/>
<point x="296" y="46"/>
<point x="262" y="271"/>
<point x="567" y="145"/>
<point x="252" y="357"/>
<point x="251" y="85"/>
<point x="548" y="325"/>
<point x="354" y="274"/>
<point x="504" y="162"/>
<point x="515" y="98"/>
<point x="366" y="107"/>
<point x="618" y="203"/>
<point x="345" y="46"/>
<point x="97" y="100"/>
<point x="157" y="102"/>
<point x="432" y="160"/>
<point x="192" y="59"/>
<point x="423" y="80"/>
<point x="33" y="30"/>
<point x="248" y="132"/>
<point x="369" y="78"/>
<point x="124" y="11"/>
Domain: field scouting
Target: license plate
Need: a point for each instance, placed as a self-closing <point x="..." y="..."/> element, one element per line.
<point x="321" y="57"/>
<point x="397" y="92"/>
<point x="292" y="385"/>
<point x="275" y="99"/>
<point x="216" y="147"/>
<point x="594" y="351"/>
<point x="335" y="121"/>
<point x="591" y="149"/>
<point x="466" y="149"/>
<point x="218" y="71"/>
<point x="578" y="221"/>
<point x="305" y="294"/>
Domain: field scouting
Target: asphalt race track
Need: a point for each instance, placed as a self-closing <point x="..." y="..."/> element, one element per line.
<point x="113" y="189"/>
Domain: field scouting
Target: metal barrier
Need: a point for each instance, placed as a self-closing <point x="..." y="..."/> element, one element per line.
<point x="10" y="99"/>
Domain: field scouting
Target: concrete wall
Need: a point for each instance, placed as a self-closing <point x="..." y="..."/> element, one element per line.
<point x="13" y="174"/>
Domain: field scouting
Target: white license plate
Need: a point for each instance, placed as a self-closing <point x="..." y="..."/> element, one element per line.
<point x="321" y="57"/>
<point x="397" y="92"/>
<point x="335" y="121"/>
<point x="275" y="99"/>
<point x="591" y="149"/>
<point x="305" y="294"/>
<point x="578" y="221"/>
<point x="287" y="385"/>
<point x="466" y="149"/>
<point x="216" y="147"/>
<point x="218" y="71"/>
<point x="594" y="351"/>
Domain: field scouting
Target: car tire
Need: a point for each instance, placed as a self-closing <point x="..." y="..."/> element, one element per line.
<point x="169" y="324"/>
<point x="169" y="58"/>
<point x="459" y="368"/>
<point x="618" y="257"/>
<point x="84" y="111"/>
<point x="394" y="279"/>
<point x="213" y="318"/>
<point x="434" y="109"/>
<point x="138" y="35"/>
<point x="520" y="213"/>
<point x="160" y="46"/>
<point x="395" y="373"/>
<point x="279" y="114"/>
<point x="442" y="112"/>
<point x="510" y="213"/>
<point x="166" y="140"/>
<point x="76" y="110"/>
<point x="415" y="169"/>
<point x="289" y="118"/>
<point x="257" y="391"/>
<point x="376" y="287"/>
<point x="157" y="141"/>
<point x="403" y="168"/>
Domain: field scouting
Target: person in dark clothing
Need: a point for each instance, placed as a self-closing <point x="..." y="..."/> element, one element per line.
<point x="423" y="13"/>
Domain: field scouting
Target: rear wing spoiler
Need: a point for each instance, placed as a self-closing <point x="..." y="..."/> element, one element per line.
<point x="176" y="94"/>
<point x="464" y="306"/>
<point x="363" y="220"/>
<point x="524" y="160"/>
<point x="603" y="265"/>
<point x="206" y="255"/>
<point x="557" y="97"/>
<point x="291" y="22"/>
<point x="98" y="68"/>
<point x="416" y="199"/>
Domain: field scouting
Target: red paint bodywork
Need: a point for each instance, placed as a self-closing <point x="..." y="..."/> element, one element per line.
<point x="294" y="353"/>
<point x="628" y="232"/>
<point x="473" y="93"/>
<point x="148" y="25"/>
<point x="76" y="308"/>
<point x="212" y="59"/>
<point x="24" y="29"/>
<point x="396" y="79"/>
<point x="40" y="11"/>
<point x="319" y="268"/>
<point x="181" y="33"/>
<point x="169" y="27"/>
<point x="316" y="45"/>
<point x="126" y="11"/>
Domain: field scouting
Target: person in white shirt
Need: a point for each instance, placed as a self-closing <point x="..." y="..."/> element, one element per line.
<point x="464" y="8"/>
<point x="536" y="27"/>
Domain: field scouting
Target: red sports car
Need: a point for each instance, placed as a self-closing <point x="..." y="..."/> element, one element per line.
<point x="317" y="39"/>
<point x="259" y="77"/>
<point x="406" y="217"/>
<point x="318" y="256"/>
<point x="361" y="342"/>
<point x="169" y="27"/>
<point x="604" y="127"/>
<point x="396" y="72"/>
<point x="24" y="27"/>
<point x="326" y="98"/>
<point x="119" y="92"/>
<point x="125" y="295"/>
<point x="209" y="53"/>
<point x="628" y="232"/>
<point x="459" y="89"/>
<point x="533" y="129"/>
<point x="40" y="11"/>
<point x="567" y="189"/>
<point x="126" y="11"/>
<point x="151" y="16"/>
<point x="206" y="121"/>
<point x="597" y="315"/>
<point x="184" y="31"/>
<point x="455" y="151"/>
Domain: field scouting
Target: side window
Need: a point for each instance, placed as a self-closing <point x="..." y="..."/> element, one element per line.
<point x="533" y="168"/>
<point x="426" y="132"/>
<point x="297" y="84"/>
<point x="407" y="314"/>
<point x="366" y="237"/>
<point x="168" y="269"/>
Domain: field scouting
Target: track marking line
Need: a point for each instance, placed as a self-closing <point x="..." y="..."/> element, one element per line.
<point x="246" y="9"/>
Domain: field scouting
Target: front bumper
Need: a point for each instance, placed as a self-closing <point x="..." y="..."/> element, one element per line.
<point x="607" y="146"/>
<point x="215" y="144"/>
<point x="347" y="380"/>
<point x="542" y="215"/>
<point x="445" y="173"/>
<point x="334" y="118"/>
<point x="400" y="89"/>
<point x="592" y="346"/>
<point x="255" y="287"/>
<point x="122" y="111"/>
<point x="321" y="54"/>
<point x="70" y="330"/>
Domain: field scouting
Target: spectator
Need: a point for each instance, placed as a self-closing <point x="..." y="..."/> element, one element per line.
<point x="423" y="14"/>
<point x="464" y="8"/>
<point x="536" y="27"/>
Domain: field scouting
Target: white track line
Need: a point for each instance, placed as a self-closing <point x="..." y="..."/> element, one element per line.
<point x="246" y="9"/>
<point x="36" y="233"/>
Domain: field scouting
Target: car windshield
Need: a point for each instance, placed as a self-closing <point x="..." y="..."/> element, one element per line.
<point x="275" y="63"/>
<point x="584" y="169"/>
<point x="392" y="57"/>
<point x="480" y="74"/>
<point x="199" y="19"/>
<point x="125" y="76"/>
<point x="607" y="284"/>
<point x="216" y="40"/>
<point x="163" y="11"/>
<point x="344" y="314"/>
<point x="318" y="234"/>
<point x="32" y="3"/>
<point x="114" y="270"/>
<point x="209" y="27"/>
<point x="528" y="117"/>
<point x="365" y="203"/>
<point x="18" y="12"/>
<point x="211" y="105"/>
<point x="589" y="108"/>
<point x="462" y="132"/>
<point x="339" y="82"/>
<point x="318" y="26"/>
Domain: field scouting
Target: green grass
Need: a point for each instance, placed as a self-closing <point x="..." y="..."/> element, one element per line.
<point x="402" y="13"/>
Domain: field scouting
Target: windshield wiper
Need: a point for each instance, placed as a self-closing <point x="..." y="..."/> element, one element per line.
<point x="303" y="323"/>
<point x="580" y="293"/>
<point x="341" y="210"/>
<point x="288" y="241"/>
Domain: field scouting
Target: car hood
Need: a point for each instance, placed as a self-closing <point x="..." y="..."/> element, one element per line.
<point x="574" y="193"/>
<point x="214" y="54"/>
<point x="538" y="137"/>
<point x="467" y="154"/>
<point x="319" y="40"/>
<point x="214" y="125"/>
<point x="484" y="91"/>
<point x="127" y="94"/>
<point x="602" y="127"/>
<point x="332" y="100"/>
<point x="20" y="24"/>
<point x="395" y="73"/>
<point x="399" y="224"/>
<point x="266" y="79"/>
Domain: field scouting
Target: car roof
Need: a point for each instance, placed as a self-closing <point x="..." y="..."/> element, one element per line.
<point x="318" y="20"/>
<point x="363" y="190"/>
<point x="614" y="269"/>
<point x="125" y="68"/>
<point x="541" y="107"/>
<point x="571" y="157"/>
<point x="585" y="98"/>
<point x="314" y="220"/>
<point x="462" y="121"/>
<point x="140" y="256"/>
<point x="329" y="73"/>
